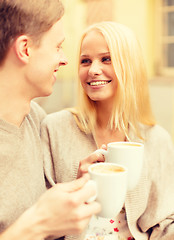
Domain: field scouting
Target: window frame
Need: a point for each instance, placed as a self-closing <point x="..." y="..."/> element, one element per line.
<point x="162" y="38"/>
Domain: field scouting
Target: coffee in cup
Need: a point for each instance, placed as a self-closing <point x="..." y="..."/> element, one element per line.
<point x="107" y="169"/>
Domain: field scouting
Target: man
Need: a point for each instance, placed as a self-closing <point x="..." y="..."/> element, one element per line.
<point x="31" y="34"/>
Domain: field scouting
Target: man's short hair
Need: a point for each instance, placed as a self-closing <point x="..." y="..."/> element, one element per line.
<point x="30" y="17"/>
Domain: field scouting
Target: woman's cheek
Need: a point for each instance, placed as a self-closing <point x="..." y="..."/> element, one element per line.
<point x="83" y="75"/>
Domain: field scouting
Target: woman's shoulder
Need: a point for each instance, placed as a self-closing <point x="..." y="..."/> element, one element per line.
<point x="155" y="133"/>
<point x="63" y="117"/>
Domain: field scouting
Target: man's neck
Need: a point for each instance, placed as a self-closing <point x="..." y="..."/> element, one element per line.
<point x="14" y="102"/>
<point x="14" y="110"/>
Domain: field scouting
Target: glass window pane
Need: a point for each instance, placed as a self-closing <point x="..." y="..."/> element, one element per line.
<point x="168" y="2"/>
<point x="164" y="55"/>
<point x="165" y="25"/>
<point x="171" y="24"/>
<point x="170" y="54"/>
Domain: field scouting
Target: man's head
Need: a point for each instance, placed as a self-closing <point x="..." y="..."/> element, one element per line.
<point x="30" y="17"/>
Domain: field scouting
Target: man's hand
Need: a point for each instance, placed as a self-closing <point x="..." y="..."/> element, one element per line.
<point x="60" y="211"/>
<point x="63" y="209"/>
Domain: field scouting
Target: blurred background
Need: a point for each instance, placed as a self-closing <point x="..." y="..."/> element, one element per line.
<point x="153" y="23"/>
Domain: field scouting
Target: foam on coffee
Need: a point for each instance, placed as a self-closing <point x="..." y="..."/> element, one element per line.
<point x="124" y="144"/>
<point x="107" y="169"/>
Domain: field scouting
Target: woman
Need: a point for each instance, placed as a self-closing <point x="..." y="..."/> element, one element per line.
<point x="114" y="106"/>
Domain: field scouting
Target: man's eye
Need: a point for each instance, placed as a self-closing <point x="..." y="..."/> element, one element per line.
<point x="85" y="61"/>
<point x="59" y="48"/>
<point x="106" y="59"/>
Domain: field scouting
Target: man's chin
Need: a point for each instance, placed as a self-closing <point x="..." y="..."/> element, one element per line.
<point x="45" y="93"/>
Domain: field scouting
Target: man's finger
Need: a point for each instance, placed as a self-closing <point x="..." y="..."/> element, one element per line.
<point x="85" y="193"/>
<point x="75" y="184"/>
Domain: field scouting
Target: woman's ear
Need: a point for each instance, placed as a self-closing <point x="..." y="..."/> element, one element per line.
<point x="21" y="48"/>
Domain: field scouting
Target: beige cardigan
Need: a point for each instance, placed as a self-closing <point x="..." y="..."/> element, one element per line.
<point x="150" y="206"/>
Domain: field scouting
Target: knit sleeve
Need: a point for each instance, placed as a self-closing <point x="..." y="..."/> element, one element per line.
<point x="58" y="134"/>
<point x="164" y="230"/>
<point x="159" y="216"/>
<point x="48" y="160"/>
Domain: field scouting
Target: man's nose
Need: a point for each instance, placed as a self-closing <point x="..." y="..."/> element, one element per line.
<point x="63" y="59"/>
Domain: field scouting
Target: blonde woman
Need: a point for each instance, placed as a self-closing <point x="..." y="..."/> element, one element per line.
<point x="114" y="105"/>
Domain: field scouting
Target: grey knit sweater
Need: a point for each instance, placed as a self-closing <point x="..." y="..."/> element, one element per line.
<point x="150" y="206"/>
<point x="21" y="166"/>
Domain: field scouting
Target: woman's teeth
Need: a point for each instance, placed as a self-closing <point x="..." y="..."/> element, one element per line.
<point x="98" y="83"/>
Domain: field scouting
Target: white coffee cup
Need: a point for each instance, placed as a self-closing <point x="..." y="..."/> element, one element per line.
<point x="111" y="181"/>
<point x="128" y="154"/>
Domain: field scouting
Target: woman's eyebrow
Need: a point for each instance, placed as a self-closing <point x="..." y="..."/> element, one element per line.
<point x="100" y="54"/>
<point x="84" y="55"/>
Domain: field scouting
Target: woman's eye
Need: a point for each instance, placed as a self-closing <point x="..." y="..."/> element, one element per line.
<point x="106" y="59"/>
<point x="85" y="61"/>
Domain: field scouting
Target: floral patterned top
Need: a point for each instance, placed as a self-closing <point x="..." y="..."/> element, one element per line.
<point x="109" y="229"/>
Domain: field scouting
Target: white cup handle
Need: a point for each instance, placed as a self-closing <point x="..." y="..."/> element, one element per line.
<point x="102" y="151"/>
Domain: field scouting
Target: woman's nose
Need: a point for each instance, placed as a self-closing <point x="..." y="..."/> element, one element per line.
<point x="95" y="69"/>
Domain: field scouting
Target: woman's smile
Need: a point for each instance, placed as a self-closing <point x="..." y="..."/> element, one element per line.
<point x="100" y="82"/>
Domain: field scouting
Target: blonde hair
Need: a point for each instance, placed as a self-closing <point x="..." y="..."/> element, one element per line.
<point x="132" y="103"/>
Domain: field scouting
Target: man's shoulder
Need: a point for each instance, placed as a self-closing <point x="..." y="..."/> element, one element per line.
<point x="36" y="115"/>
<point x="36" y="111"/>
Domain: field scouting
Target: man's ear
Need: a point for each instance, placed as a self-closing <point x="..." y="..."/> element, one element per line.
<point x="21" y="48"/>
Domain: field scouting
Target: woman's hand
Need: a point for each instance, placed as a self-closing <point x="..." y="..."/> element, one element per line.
<point x="93" y="158"/>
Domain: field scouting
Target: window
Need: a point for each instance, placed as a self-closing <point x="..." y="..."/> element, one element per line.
<point x="165" y="26"/>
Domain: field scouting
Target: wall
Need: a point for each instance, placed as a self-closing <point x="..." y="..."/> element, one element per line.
<point x="138" y="15"/>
